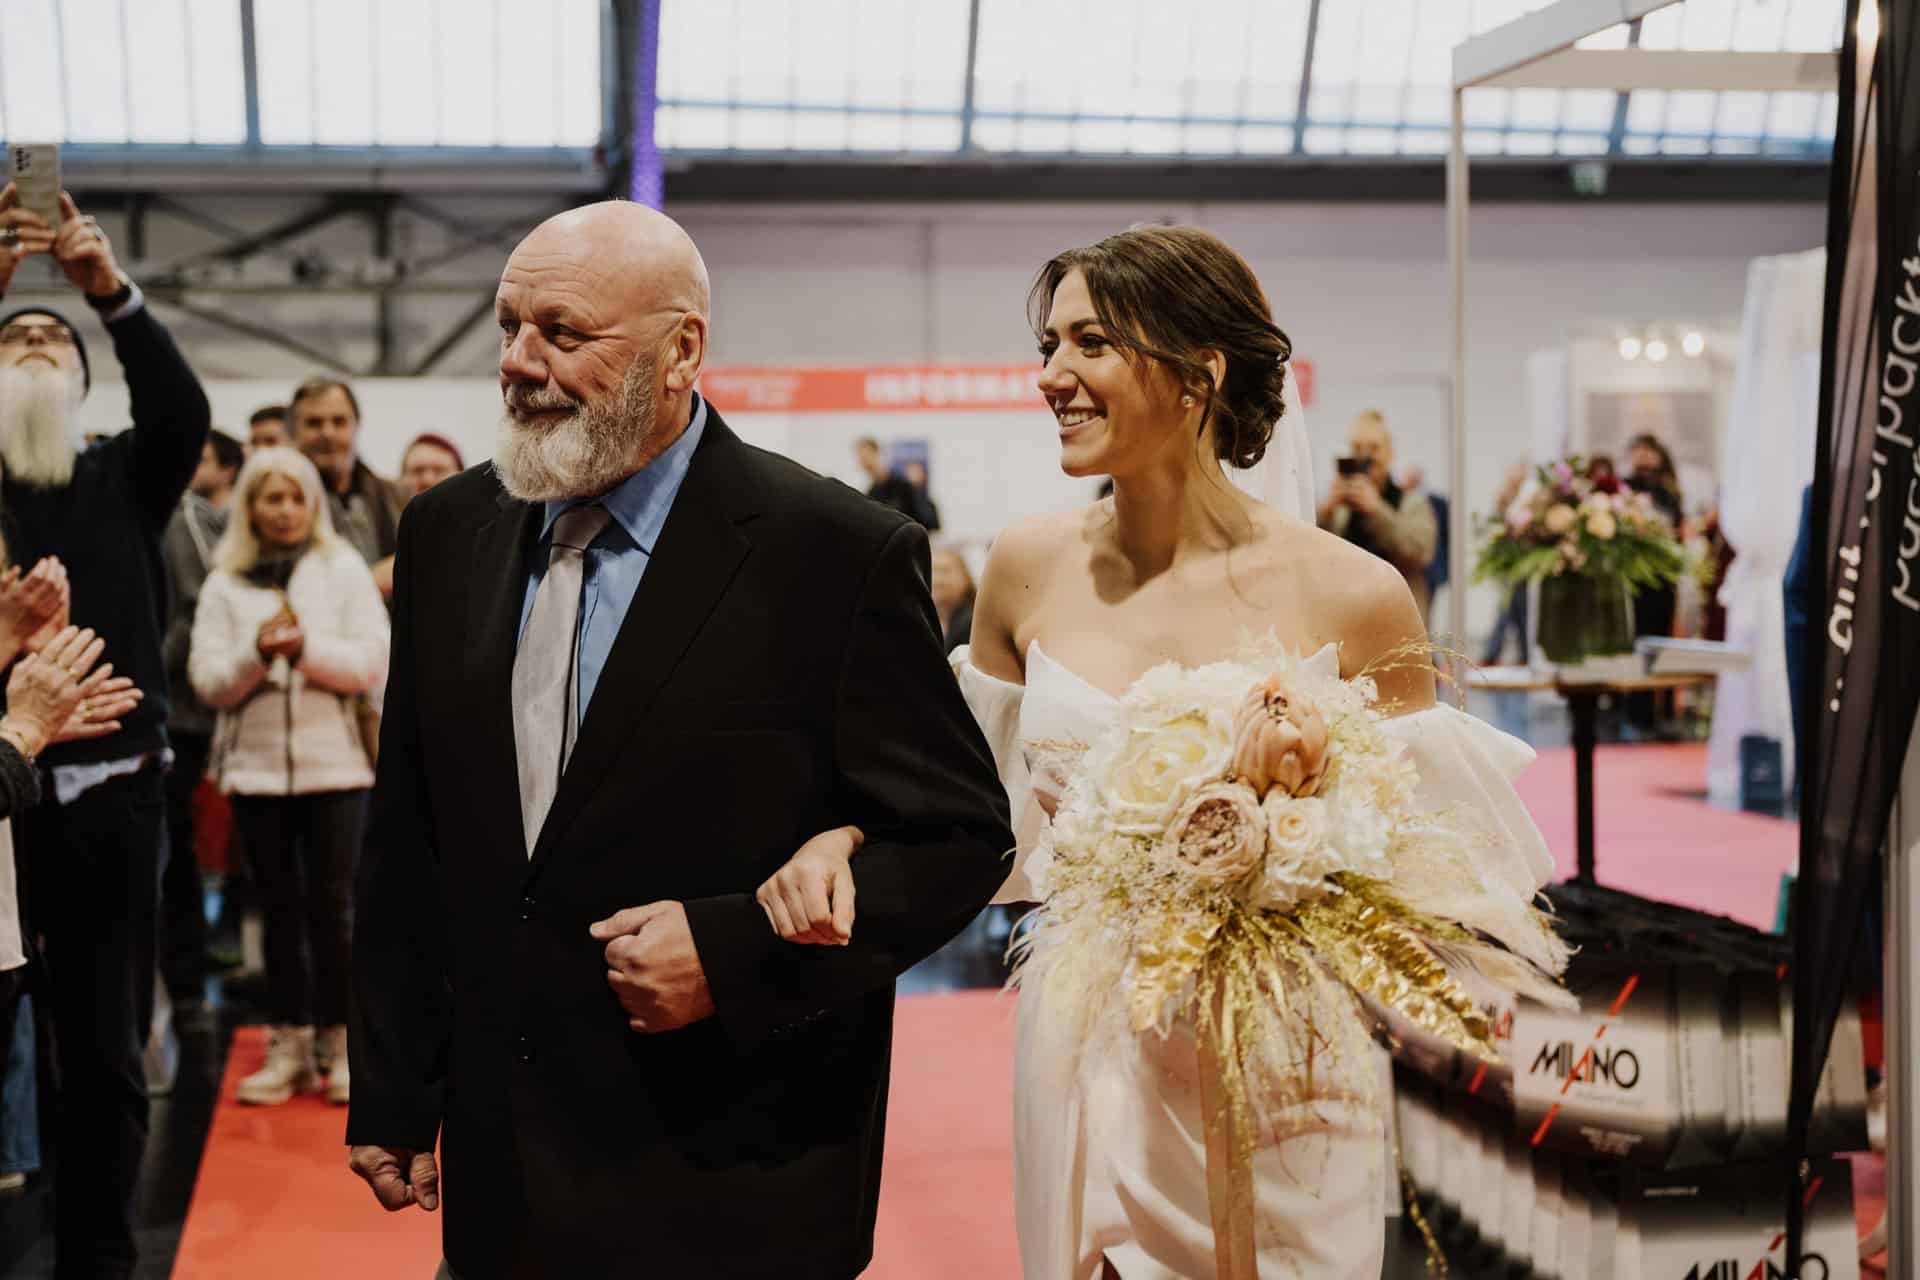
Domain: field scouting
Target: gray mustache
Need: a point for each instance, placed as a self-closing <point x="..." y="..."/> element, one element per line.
<point x="525" y="399"/>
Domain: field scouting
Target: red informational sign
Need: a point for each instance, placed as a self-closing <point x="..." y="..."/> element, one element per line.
<point x="896" y="388"/>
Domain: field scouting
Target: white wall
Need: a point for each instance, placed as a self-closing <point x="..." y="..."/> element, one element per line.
<point x="1361" y="288"/>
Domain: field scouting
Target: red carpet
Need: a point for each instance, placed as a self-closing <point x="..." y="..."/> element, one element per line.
<point x="275" y="1197"/>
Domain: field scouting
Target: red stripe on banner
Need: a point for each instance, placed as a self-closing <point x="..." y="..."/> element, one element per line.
<point x="1586" y="1057"/>
<point x="888" y="388"/>
<point x="1478" y="1077"/>
<point x="1540" y="1134"/>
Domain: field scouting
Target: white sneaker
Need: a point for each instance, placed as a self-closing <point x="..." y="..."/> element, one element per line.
<point x="335" y="1040"/>
<point x="289" y="1069"/>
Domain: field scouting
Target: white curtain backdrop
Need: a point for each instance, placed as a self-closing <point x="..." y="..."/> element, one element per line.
<point x="1549" y="403"/>
<point x="1769" y="460"/>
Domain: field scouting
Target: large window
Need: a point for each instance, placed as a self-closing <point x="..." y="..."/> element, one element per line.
<point x="333" y="73"/>
<point x="157" y="71"/>
<point x="1199" y="78"/>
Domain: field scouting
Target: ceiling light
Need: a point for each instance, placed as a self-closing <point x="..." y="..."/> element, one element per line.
<point x="1693" y="342"/>
<point x="1629" y="348"/>
<point x="1656" y="349"/>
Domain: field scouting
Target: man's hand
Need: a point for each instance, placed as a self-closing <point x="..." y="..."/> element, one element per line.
<point x="84" y="253"/>
<point x="24" y="232"/>
<point x="399" y="1177"/>
<point x="653" y="968"/>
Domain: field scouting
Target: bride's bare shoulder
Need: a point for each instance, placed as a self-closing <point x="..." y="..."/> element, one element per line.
<point x="1029" y="548"/>
<point x="1353" y="599"/>
<point x="1020" y="563"/>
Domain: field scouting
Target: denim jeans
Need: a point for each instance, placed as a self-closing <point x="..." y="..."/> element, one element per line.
<point x="20" y="1096"/>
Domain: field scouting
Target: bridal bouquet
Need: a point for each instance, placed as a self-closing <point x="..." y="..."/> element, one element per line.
<point x="1242" y="853"/>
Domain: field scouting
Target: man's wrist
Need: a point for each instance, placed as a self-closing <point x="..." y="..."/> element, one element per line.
<point x="119" y="301"/>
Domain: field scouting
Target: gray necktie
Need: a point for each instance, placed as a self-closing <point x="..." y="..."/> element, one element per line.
<point x="546" y="682"/>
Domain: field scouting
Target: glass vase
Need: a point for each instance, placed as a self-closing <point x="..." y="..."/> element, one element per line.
<point x="1582" y="617"/>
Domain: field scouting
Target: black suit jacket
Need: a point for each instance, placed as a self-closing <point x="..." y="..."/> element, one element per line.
<point x="780" y="672"/>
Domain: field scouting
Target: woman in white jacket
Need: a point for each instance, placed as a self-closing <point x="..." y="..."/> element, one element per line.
<point x="289" y="646"/>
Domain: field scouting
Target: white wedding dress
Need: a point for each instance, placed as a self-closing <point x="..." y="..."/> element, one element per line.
<point x="1109" y="1153"/>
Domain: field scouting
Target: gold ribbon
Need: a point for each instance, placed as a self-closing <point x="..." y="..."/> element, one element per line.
<point x="1230" y="1144"/>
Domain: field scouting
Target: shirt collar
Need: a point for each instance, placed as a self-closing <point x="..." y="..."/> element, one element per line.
<point x="640" y="503"/>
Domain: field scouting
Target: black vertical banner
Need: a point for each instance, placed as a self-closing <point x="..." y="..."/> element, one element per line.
<point x="1865" y="674"/>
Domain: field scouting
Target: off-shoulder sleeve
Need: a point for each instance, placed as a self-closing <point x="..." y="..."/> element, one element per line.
<point x="995" y="704"/>
<point x="1467" y="764"/>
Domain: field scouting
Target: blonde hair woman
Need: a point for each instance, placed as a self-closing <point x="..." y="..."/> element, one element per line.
<point x="289" y="635"/>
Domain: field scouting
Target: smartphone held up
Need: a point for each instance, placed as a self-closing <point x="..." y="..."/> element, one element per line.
<point x="34" y="170"/>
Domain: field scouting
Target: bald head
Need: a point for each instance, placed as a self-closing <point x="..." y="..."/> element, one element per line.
<point x="601" y="307"/>
<point x="638" y="250"/>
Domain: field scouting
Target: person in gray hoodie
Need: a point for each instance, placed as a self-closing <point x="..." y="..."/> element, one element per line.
<point x="190" y="537"/>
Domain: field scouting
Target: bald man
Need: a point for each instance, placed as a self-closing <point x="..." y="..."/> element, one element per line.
<point x="636" y="665"/>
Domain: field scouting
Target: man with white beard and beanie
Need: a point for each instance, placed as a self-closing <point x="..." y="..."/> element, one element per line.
<point x="93" y="855"/>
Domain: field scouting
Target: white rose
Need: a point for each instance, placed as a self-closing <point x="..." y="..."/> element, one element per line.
<point x="1560" y="518"/>
<point x="1602" y="525"/>
<point x="1358" y="833"/>
<point x="1299" y="858"/>
<point x="1157" y="769"/>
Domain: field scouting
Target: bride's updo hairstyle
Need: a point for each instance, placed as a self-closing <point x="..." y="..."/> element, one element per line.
<point x="1169" y="293"/>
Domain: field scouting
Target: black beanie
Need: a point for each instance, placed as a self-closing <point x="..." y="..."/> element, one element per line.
<point x="79" y="343"/>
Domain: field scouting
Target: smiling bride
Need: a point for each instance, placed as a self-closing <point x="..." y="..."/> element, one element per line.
<point x="1248" y="846"/>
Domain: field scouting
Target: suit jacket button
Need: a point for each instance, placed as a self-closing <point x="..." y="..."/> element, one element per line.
<point x="525" y="1047"/>
<point x="526" y="908"/>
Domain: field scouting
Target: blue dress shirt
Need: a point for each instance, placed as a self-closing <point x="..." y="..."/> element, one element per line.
<point x="617" y="559"/>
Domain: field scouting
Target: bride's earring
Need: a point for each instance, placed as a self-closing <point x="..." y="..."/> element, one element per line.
<point x="1187" y="401"/>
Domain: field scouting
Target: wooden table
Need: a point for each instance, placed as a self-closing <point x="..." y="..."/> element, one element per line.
<point x="1583" y="706"/>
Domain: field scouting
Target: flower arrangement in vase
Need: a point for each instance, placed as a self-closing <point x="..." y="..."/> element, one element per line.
<point x="1591" y="546"/>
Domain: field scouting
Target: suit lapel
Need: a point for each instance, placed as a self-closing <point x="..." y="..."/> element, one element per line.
<point x="699" y="552"/>
<point x="499" y="591"/>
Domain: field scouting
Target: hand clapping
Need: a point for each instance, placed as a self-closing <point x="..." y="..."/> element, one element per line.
<point x="56" y="696"/>
<point x="33" y="607"/>
<point x="281" y="636"/>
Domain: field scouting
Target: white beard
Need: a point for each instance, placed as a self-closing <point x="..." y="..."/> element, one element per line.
<point x="38" y="406"/>
<point x="582" y="455"/>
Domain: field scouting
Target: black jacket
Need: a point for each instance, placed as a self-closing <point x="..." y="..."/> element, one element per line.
<point x="780" y="672"/>
<point x="106" y="525"/>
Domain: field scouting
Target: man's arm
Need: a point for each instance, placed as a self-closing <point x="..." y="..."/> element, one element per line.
<point x="401" y="1014"/>
<point x="918" y="779"/>
<point x="170" y="412"/>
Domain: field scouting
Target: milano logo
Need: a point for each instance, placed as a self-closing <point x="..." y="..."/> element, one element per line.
<point x="1617" y="1067"/>
<point x="1812" y="1267"/>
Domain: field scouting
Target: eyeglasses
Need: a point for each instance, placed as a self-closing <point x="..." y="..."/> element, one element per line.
<point x="16" y="335"/>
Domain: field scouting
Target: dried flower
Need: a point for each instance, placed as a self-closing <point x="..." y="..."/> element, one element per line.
<point x="1217" y="837"/>
<point x="1279" y="740"/>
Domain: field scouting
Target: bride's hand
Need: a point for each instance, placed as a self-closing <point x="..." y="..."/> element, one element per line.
<point x="810" y="899"/>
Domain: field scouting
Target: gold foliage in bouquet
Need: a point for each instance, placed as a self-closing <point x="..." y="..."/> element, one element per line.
<point x="1242" y="850"/>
